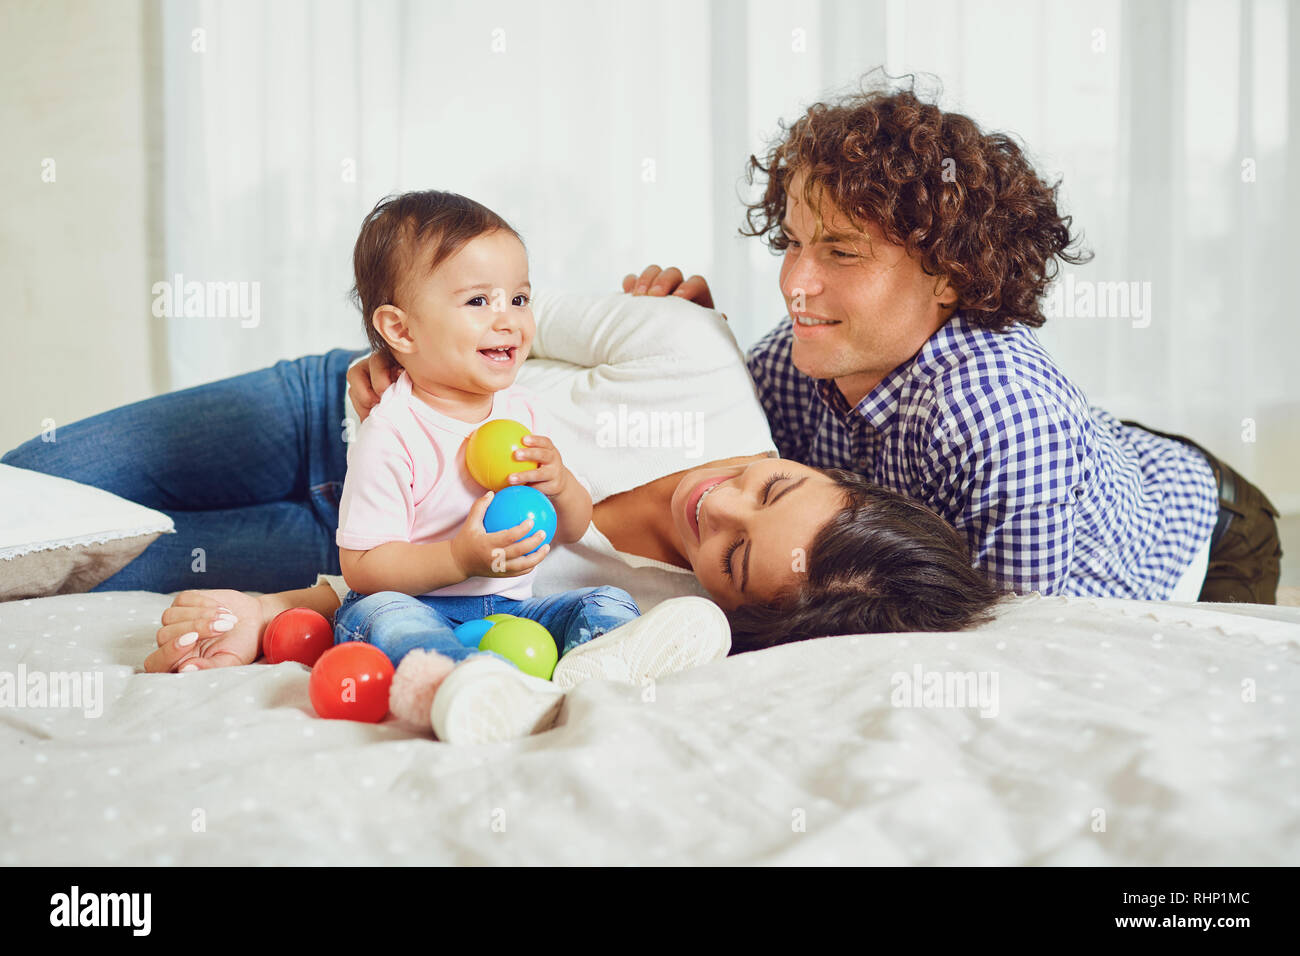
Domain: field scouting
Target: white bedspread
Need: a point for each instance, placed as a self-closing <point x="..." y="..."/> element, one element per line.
<point x="1125" y="733"/>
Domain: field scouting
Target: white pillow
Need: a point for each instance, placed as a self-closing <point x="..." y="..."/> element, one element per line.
<point x="62" y="537"/>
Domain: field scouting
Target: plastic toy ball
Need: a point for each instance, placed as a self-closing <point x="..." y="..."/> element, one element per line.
<point x="350" y="682"/>
<point x="489" y="455"/>
<point x="526" y="643"/>
<point x="298" y="634"/>
<point x="497" y="618"/>
<point x="471" y="632"/>
<point x="514" y="505"/>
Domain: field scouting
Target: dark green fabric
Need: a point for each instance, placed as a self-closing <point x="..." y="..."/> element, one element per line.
<point x="1246" y="556"/>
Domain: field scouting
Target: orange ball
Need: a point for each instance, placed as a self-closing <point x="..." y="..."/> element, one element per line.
<point x="298" y="634"/>
<point x="351" y="682"/>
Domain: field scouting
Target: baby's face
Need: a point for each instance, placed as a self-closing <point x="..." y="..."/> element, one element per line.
<point x="472" y="319"/>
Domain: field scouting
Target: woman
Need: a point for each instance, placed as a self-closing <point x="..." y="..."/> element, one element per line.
<point x="790" y="552"/>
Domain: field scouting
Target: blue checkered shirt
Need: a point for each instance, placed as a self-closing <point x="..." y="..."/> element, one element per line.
<point x="1053" y="496"/>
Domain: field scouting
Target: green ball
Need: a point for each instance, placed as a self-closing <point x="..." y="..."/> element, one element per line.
<point x="526" y="643"/>
<point x="498" y="618"/>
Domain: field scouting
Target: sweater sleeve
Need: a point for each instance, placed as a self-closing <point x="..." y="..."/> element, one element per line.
<point x="336" y="582"/>
<point x="640" y="387"/>
<point x="351" y="420"/>
<point x="784" y="391"/>
<point x="621" y="329"/>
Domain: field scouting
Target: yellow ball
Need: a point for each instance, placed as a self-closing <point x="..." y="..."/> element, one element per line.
<point x="489" y="453"/>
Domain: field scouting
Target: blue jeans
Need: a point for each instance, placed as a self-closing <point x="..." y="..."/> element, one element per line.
<point x="249" y="468"/>
<point x="398" y="623"/>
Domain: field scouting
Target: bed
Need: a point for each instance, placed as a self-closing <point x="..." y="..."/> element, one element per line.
<point x="1119" y="733"/>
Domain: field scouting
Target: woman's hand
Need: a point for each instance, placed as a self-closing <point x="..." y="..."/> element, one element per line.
<point x="204" y="629"/>
<point x="478" y="552"/>
<point x="656" y="281"/>
<point x="367" y="381"/>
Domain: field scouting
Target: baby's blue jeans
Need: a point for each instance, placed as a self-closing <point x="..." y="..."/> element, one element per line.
<point x="399" y="623"/>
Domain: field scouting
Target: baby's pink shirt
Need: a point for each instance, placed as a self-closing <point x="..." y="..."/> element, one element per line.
<point x="407" y="480"/>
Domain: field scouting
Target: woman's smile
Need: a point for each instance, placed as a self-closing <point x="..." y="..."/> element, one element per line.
<point x="695" y="501"/>
<point x="742" y="527"/>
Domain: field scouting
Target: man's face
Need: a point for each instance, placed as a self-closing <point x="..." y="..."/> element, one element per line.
<point x="870" y="306"/>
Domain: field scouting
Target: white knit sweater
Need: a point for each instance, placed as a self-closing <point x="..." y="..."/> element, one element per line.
<point x="637" y="388"/>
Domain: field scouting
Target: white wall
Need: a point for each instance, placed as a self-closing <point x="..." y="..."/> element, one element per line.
<point x="74" y="253"/>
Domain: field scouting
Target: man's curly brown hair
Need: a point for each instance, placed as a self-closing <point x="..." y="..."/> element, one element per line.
<point x="966" y="204"/>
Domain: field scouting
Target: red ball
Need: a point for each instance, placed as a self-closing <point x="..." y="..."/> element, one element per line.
<point x="350" y="682"/>
<point x="298" y="634"/>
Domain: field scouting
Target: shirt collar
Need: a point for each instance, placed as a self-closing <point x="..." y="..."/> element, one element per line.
<point x="881" y="406"/>
<point x="402" y="391"/>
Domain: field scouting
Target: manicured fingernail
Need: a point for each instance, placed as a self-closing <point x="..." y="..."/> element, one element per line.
<point x="189" y="667"/>
<point x="221" y="624"/>
<point x="226" y="609"/>
<point x="185" y="640"/>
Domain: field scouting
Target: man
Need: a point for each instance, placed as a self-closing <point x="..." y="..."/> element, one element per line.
<point x="916" y="251"/>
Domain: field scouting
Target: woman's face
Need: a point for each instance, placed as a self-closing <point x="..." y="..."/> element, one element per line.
<point x="756" y="522"/>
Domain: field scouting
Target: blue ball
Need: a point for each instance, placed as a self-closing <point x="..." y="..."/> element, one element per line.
<point x="514" y="505"/>
<point x="471" y="632"/>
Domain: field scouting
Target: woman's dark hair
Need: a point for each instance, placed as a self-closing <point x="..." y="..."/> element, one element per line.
<point x="966" y="204"/>
<point x="410" y="232"/>
<point x="883" y="563"/>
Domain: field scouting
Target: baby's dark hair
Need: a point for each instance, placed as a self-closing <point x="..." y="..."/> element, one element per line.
<point x="884" y="563"/>
<point x="416" y="230"/>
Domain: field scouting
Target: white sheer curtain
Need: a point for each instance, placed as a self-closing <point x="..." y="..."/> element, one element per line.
<point x="585" y="125"/>
<point x="615" y="134"/>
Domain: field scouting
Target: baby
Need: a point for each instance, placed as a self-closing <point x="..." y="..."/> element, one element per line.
<point x="443" y="287"/>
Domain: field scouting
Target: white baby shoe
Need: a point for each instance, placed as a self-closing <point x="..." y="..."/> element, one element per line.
<point x="676" y="635"/>
<point x="485" y="700"/>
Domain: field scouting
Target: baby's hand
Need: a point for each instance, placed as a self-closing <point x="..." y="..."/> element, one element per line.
<point x="550" y="477"/>
<point x="496" y="554"/>
<point x="205" y="629"/>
